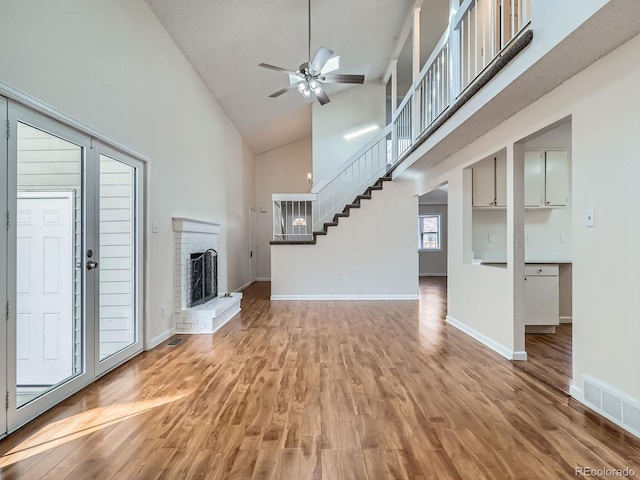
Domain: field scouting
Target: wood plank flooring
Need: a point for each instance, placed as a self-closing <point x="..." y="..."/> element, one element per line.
<point x="549" y="357"/>
<point x="319" y="390"/>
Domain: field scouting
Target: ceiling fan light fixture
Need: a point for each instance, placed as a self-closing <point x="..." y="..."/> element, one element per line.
<point x="313" y="85"/>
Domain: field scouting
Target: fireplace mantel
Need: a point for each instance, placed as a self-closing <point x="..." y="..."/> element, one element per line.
<point x="182" y="224"/>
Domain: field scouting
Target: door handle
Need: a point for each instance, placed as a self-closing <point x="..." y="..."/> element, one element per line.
<point x="91" y="265"/>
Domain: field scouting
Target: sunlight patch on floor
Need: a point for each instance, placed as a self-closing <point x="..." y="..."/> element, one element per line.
<point x="77" y="426"/>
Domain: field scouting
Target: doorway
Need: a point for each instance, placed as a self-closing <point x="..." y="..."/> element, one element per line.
<point x="548" y="256"/>
<point x="432" y="258"/>
<point x="71" y="275"/>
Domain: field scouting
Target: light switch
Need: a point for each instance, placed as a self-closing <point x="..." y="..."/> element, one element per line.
<point x="563" y="238"/>
<point x="490" y="238"/>
<point x="154" y="227"/>
<point x="529" y="238"/>
<point x="589" y="217"/>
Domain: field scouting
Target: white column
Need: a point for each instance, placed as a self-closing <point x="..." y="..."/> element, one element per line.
<point x="515" y="239"/>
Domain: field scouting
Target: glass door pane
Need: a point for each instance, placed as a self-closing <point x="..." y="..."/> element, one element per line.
<point x="117" y="275"/>
<point x="49" y="273"/>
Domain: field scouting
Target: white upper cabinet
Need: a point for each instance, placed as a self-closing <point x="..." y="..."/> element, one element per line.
<point x="490" y="182"/>
<point x="557" y="176"/>
<point x="546" y="178"/>
<point x="484" y="176"/>
<point x="501" y="180"/>
<point x="533" y="179"/>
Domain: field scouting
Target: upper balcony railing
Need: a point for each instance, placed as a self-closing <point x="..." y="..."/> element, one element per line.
<point x="486" y="27"/>
<point x="477" y="35"/>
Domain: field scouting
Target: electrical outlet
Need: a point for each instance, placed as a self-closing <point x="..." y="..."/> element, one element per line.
<point x="490" y="238"/>
<point x="563" y="238"/>
<point x="163" y="311"/>
<point x="154" y="227"/>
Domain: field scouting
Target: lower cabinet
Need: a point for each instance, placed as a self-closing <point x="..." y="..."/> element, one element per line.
<point x="541" y="298"/>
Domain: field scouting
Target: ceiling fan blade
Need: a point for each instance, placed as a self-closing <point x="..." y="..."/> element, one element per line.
<point x="321" y="58"/>
<point x="277" y="69"/>
<point x="283" y="90"/>
<point x="322" y="97"/>
<point x="295" y="78"/>
<point x="332" y="65"/>
<point x="341" y="78"/>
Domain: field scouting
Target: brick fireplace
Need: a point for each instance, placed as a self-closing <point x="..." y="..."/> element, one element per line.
<point x="193" y="238"/>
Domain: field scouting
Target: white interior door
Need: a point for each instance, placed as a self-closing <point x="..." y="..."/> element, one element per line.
<point x="44" y="320"/>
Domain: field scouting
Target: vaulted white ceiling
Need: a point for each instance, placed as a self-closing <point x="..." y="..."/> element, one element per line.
<point x="226" y="39"/>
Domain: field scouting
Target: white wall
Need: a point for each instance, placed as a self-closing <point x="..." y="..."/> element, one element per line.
<point x="605" y="139"/>
<point x="348" y="111"/>
<point x="543" y="228"/>
<point x="283" y="170"/>
<point x="435" y="262"/>
<point x="111" y="65"/>
<point x="370" y="254"/>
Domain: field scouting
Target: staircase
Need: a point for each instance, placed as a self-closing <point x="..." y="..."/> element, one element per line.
<point x="356" y="203"/>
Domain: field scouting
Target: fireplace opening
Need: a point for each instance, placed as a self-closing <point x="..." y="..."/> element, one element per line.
<point x="203" y="277"/>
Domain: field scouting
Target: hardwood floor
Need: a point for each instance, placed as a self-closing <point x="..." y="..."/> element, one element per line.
<point x="549" y="357"/>
<point x="319" y="390"/>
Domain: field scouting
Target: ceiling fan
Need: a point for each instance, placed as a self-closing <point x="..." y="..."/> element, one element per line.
<point x="310" y="76"/>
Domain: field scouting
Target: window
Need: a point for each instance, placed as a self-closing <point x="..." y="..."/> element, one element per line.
<point x="429" y="232"/>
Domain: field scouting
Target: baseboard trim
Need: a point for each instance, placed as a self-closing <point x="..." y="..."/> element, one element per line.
<point x="566" y="319"/>
<point x="486" y="341"/>
<point x="576" y="392"/>
<point x="520" y="355"/>
<point x="433" y="274"/>
<point x="154" y="342"/>
<point x="344" y="297"/>
<point x="240" y="289"/>
<point x="263" y="279"/>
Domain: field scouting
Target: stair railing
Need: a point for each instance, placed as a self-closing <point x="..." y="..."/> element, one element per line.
<point x="356" y="174"/>
<point x="474" y="39"/>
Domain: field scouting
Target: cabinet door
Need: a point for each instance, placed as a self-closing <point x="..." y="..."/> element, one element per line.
<point x="541" y="300"/>
<point x="484" y="194"/>
<point x="557" y="181"/>
<point x="501" y="180"/>
<point x="533" y="178"/>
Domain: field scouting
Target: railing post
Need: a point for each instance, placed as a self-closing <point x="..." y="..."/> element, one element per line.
<point x="394" y="109"/>
<point x="455" y="70"/>
<point x="415" y="127"/>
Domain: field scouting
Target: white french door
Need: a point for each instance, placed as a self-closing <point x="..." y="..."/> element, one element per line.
<point x="71" y="262"/>
<point x="119" y="209"/>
